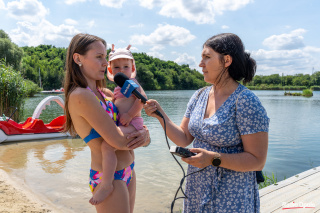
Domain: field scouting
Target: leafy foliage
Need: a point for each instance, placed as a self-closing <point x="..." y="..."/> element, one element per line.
<point x="288" y="82"/>
<point x="47" y="62"/>
<point x="152" y="73"/>
<point x="269" y="180"/>
<point x="307" y="93"/>
<point x="13" y="91"/>
<point x="156" y="74"/>
<point x="9" y="51"/>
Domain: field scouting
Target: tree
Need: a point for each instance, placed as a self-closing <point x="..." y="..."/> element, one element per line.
<point x="146" y="78"/>
<point x="316" y="78"/>
<point x="9" y="51"/>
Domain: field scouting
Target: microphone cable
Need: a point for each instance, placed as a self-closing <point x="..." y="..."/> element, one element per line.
<point x="184" y="174"/>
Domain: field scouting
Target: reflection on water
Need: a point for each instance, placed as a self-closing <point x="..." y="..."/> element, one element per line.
<point x="51" y="168"/>
<point x="59" y="169"/>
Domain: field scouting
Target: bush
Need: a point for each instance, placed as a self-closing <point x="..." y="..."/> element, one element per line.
<point x="292" y="93"/>
<point x="307" y="93"/>
<point x="315" y="88"/>
<point x="269" y="180"/>
<point x="12" y="92"/>
<point x="31" y="88"/>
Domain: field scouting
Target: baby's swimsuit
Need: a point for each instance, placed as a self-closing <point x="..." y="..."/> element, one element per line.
<point x="136" y="122"/>
<point x="95" y="176"/>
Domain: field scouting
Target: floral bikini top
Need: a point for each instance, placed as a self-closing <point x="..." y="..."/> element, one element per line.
<point x="110" y="108"/>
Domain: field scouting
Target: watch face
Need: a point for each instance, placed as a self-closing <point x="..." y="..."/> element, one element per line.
<point x="216" y="161"/>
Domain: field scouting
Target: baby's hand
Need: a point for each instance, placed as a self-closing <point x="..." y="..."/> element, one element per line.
<point x="117" y="95"/>
<point x="125" y="119"/>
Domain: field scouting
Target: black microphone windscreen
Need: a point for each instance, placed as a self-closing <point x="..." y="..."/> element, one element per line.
<point x="120" y="78"/>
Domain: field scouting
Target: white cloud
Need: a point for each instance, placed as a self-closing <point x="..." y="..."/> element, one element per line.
<point x="156" y="55"/>
<point x="156" y="48"/>
<point x="223" y="5"/>
<point x="199" y="11"/>
<point x="74" y="1"/>
<point x="71" y="22"/>
<point x="164" y="35"/>
<point x="287" y="41"/>
<point x="286" y="61"/>
<point x="112" y="3"/>
<point x="288" y="54"/>
<point x="150" y="4"/>
<point x="2" y="5"/>
<point x="86" y="24"/>
<point x="30" y="34"/>
<point x="225" y="27"/>
<point x="27" y="10"/>
<point x="134" y="49"/>
<point x="311" y="50"/>
<point x="187" y="59"/>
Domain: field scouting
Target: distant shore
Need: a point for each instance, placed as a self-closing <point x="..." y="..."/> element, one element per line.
<point x="16" y="197"/>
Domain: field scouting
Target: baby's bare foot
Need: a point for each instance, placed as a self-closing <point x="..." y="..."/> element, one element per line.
<point x="102" y="193"/>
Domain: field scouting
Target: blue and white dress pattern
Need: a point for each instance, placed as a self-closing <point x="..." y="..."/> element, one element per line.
<point x="219" y="189"/>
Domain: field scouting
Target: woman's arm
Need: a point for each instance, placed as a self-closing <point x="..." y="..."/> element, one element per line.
<point x="252" y="159"/>
<point x="83" y="104"/>
<point x="180" y="135"/>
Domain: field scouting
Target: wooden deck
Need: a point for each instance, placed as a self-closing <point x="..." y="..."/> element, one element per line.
<point x="300" y="193"/>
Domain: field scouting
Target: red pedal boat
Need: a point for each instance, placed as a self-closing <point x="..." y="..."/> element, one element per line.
<point x="33" y="128"/>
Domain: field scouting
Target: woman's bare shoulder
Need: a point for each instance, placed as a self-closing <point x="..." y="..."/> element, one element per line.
<point x="79" y="94"/>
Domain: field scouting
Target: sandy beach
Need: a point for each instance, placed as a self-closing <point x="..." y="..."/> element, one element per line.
<point x="16" y="197"/>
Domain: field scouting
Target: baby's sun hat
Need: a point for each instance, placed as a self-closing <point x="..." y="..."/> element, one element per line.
<point x="120" y="53"/>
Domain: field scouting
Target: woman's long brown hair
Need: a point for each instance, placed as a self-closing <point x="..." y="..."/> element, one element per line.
<point x="74" y="77"/>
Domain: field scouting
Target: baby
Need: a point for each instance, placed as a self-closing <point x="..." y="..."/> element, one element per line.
<point x="120" y="60"/>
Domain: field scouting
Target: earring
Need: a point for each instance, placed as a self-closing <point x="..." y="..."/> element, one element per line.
<point x="80" y="64"/>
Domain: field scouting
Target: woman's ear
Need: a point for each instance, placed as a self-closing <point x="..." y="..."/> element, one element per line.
<point x="227" y="60"/>
<point x="76" y="58"/>
<point x="133" y="68"/>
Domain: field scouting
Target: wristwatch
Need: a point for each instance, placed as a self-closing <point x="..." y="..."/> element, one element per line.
<point x="216" y="161"/>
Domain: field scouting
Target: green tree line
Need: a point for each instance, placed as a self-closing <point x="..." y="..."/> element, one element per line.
<point x="297" y="80"/>
<point x="152" y="73"/>
<point x="48" y="61"/>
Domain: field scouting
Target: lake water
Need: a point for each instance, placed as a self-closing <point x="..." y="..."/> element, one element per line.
<point x="58" y="169"/>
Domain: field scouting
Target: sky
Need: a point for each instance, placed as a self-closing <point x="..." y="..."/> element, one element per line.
<point x="282" y="36"/>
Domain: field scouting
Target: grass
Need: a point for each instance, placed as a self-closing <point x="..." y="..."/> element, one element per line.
<point x="292" y="93"/>
<point x="268" y="180"/>
<point x="305" y="93"/>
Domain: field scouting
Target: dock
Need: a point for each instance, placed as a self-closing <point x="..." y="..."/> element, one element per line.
<point x="52" y="92"/>
<point x="299" y="193"/>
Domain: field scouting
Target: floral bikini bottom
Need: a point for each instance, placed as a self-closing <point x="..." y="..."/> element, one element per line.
<point x="124" y="175"/>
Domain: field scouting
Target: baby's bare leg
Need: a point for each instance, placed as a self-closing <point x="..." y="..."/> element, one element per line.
<point x="109" y="163"/>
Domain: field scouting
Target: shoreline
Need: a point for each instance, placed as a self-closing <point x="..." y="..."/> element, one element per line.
<point x="17" y="197"/>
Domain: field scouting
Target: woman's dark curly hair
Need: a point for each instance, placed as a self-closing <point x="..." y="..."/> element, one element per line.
<point x="243" y="67"/>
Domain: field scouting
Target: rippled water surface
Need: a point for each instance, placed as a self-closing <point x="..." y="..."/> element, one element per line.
<point x="58" y="169"/>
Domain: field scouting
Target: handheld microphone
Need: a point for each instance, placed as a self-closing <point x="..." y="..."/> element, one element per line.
<point x="128" y="87"/>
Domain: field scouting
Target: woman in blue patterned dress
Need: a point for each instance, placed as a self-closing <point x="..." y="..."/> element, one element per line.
<point x="229" y="130"/>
